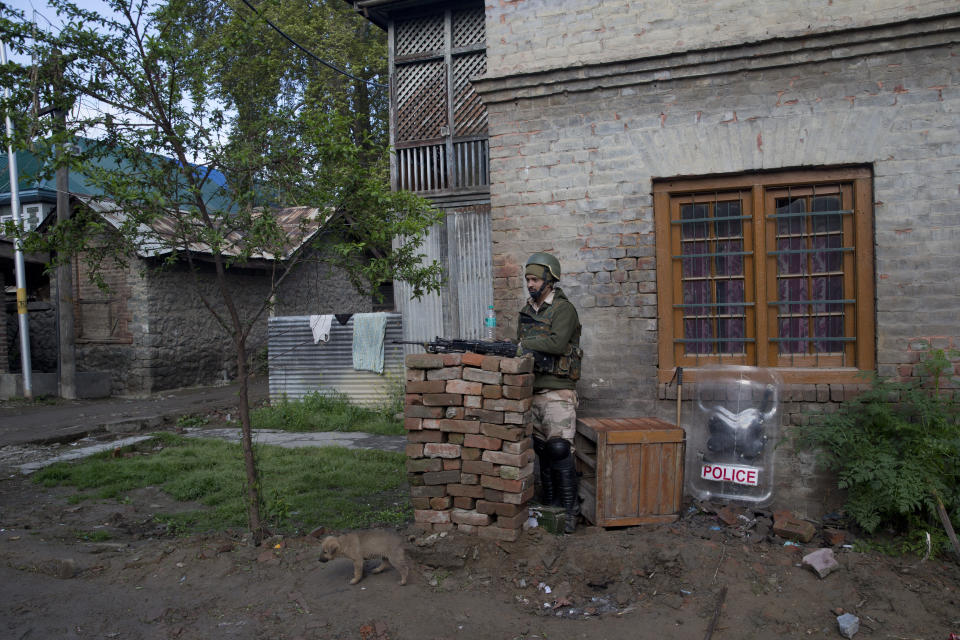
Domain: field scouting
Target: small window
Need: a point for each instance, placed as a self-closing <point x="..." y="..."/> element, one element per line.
<point x="767" y="270"/>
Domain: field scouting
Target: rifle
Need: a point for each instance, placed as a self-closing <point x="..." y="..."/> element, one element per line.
<point x="505" y="348"/>
<point x="484" y="347"/>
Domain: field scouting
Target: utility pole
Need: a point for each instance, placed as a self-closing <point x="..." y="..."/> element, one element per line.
<point x="67" y="360"/>
<point x="26" y="364"/>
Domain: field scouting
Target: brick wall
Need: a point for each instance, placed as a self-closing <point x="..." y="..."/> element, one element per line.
<point x="531" y="35"/>
<point x="470" y="457"/>
<point x="573" y="161"/>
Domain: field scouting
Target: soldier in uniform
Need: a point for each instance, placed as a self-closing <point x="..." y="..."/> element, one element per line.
<point x="548" y="324"/>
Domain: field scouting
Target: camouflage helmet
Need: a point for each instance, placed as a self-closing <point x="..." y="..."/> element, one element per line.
<point x="549" y="262"/>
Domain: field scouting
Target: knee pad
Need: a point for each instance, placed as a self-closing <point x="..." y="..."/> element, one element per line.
<point x="557" y="449"/>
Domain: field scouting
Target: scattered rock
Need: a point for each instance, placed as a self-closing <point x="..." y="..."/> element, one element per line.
<point x="822" y="561"/>
<point x="848" y="624"/>
<point x="834" y="537"/>
<point x="786" y="525"/>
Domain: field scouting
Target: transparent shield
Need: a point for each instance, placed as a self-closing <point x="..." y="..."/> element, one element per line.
<point x="732" y="434"/>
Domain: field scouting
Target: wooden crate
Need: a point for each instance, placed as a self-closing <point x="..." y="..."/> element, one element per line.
<point x="631" y="470"/>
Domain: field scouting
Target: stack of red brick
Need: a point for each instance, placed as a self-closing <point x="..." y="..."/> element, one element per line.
<point x="469" y="451"/>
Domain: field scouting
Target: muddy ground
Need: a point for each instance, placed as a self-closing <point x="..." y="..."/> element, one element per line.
<point x="110" y="569"/>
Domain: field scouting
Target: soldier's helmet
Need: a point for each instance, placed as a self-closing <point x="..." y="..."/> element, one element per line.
<point x="550" y="264"/>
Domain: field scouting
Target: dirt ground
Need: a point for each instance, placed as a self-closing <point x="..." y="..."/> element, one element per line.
<point x="110" y="570"/>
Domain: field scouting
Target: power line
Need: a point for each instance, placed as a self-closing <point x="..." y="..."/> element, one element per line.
<point x="308" y="52"/>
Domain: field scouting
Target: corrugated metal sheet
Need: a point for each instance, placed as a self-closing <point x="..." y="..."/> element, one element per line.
<point x="469" y="233"/>
<point x="424" y="316"/>
<point x="298" y="367"/>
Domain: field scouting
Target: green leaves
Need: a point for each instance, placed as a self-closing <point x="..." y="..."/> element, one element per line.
<point x="892" y="448"/>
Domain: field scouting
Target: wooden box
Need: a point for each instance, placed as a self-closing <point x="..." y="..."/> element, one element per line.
<point x="631" y="470"/>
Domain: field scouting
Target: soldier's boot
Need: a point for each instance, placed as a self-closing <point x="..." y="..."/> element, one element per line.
<point x="547" y="494"/>
<point x="566" y="485"/>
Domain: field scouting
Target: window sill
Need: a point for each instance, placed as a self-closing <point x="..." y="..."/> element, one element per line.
<point x="795" y="375"/>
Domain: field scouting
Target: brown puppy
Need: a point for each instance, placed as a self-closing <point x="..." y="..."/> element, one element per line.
<point x="367" y="544"/>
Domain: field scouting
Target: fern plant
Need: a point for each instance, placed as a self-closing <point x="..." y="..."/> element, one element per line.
<point x="894" y="448"/>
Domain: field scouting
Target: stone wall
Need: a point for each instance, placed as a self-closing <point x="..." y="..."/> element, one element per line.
<point x="470" y="456"/>
<point x="574" y="154"/>
<point x="524" y="36"/>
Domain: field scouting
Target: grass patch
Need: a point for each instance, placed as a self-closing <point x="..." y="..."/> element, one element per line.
<point x="302" y="488"/>
<point x="326" y="412"/>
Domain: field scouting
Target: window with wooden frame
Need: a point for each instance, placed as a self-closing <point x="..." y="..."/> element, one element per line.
<point x="771" y="269"/>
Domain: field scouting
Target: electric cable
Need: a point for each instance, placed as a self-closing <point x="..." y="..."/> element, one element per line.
<point x="308" y="52"/>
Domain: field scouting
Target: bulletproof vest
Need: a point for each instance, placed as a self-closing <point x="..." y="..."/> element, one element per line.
<point x="565" y="365"/>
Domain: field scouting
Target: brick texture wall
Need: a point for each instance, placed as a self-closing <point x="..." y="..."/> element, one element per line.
<point x="532" y="35"/>
<point x="572" y="170"/>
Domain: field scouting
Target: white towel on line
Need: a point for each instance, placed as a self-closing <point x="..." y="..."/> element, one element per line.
<point x="320" y="326"/>
<point x="369" y="330"/>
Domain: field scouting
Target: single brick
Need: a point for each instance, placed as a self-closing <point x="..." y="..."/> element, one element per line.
<point x="441" y="503"/>
<point x="431" y="516"/>
<point x="472" y="359"/>
<point x="469" y="478"/>
<point x="485" y="415"/>
<point x="517" y="447"/>
<point x="462" y="516"/>
<point x="517" y="365"/>
<point x="431" y="424"/>
<point x="479" y="467"/>
<point x="517" y="393"/>
<point x="442" y="399"/>
<point x="447" y="373"/>
<point x="417" y="411"/>
<point x="427" y="492"/>
<point x="441" y="477"/>
<point x="415" y="479"/>
<point x="414" y="450"/>
<point x="491" y="495"/>
<point x="512" y="417"/>
<point x="451" y="464"/>
<point x="455" y="438"/>
<point x="420" y="503"/>
<point x="500" y="484"/>
<point x="412" y="399"/>
<point x="452" y="359"/>
<point x="513" y="522"/>
<point x="480" y="375"/>
<point x="473" y="402"/>
<point x="460" y="426"/>
<point x="492" y="391"/>
<point x="519" y="498"/>
<point x="441" y="450"/>
<point x="496" y="533"/>
<point x="482" y="442"/>
<point x="420" y="465"/>
<point x="512" y="459"/>
<point x="424" y="361"/>
<point x="424" y="436"/>
<point x="463" y="502"/>
<point x="469" y="454"/>
<point x="500" y="508"/>
<point x="504" y="404"/>
<point x="427" y="386"/>
<point x="504" y="432"/>
<point x="516" y="473"/>
<point x="415" y="375"/>
<point x="518" y="380"/>
<point x="464" y="387"/>
<point x="491" y="363"/>
<point x="413" y="424"/>
<point x="793" y="528"/>
<point x="467" y="490"/>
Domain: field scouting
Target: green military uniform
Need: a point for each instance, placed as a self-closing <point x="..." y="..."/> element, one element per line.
<point x="549" y="326"/>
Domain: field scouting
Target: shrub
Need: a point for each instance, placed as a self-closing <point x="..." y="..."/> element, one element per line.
<point x="895" y="449"/>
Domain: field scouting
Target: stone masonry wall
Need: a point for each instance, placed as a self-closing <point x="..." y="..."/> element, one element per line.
<point x="469" y="453"/>
<point x="533" y="35"/>
<point x="581" y="164"/>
